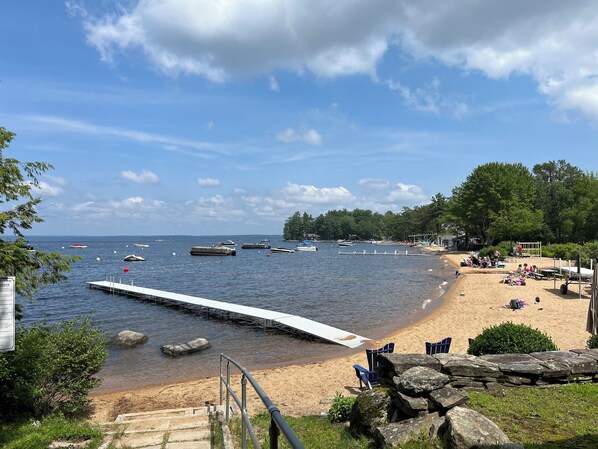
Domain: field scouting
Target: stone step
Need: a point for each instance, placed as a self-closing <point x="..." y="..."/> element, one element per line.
<point x="184" y="428"/>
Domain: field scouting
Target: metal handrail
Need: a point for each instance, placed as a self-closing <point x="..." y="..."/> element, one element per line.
<point x="277" y="422"/>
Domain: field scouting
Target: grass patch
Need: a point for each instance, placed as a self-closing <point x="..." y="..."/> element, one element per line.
<point x="562" y="417"/>
<point x="314" y="432"/>
<point x="26" y="435"/>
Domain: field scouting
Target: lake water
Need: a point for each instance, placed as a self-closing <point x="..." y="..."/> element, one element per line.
<point x="366" y="295"/>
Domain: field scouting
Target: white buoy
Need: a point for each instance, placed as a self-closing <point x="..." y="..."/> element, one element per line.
<point x="98" y="259"/>
<point x="174" y="254"/>
<point x="114" y="251"/>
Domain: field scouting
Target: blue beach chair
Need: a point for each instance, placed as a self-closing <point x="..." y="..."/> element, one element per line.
<point x="440" y="347"/>
<point x="369" y="377"/>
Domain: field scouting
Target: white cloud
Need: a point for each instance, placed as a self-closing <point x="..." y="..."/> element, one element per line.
<point x="552" y="41"/>
<point x="406" y="193"/>
<point x="46" y="190"/>
<point x="208" y="182"/>
<point x="374" y="183"/>
<point x="273" y="84"/>
<point x="145" y="177"/>
<point x="129" y="208"/>
<point x="307" y="194"/>
<point x="311" y="136"/>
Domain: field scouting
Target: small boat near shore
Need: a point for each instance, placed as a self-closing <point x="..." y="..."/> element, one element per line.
<point x="216" y="250"/>
<point x="282" y="250"/>
<point x="306" y="246"/>
<point x="141" y="245"/>
<point x="264" y="244"/>
<point x="133" y="258"/>
<point x="78" y="246"/>
<point x="344" y="243"/>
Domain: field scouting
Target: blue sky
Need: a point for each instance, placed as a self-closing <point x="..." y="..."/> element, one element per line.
<point x="225" y="117"/>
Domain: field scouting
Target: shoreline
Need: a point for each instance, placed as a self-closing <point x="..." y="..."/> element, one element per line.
<point x="471" y="303"/>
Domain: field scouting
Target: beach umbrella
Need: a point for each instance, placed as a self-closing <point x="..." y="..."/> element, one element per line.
<point x="592" y="325"/>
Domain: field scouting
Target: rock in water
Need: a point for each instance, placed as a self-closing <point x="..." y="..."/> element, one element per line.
<point x="185" y="348"/>
<point x="129" y="338"/>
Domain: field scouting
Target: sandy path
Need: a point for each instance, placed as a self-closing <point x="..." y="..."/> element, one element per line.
<point x="473" y="303"/>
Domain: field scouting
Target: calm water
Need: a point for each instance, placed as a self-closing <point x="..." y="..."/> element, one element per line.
<point x="366" y="295"/>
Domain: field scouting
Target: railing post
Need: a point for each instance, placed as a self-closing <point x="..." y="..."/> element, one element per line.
<point x="274" y="432"/>
<point x="243" y="410"/>
<point x="227" y="391"/>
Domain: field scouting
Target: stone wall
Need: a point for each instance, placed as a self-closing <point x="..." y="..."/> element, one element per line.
<point x="421" y="395"/>
<point x="500" y="370"/>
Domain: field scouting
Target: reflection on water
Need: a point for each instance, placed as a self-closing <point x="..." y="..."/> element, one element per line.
<point x="367" y="295"/>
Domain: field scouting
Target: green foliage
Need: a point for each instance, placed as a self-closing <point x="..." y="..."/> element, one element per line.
<point x="510" y="338"/>
<point x="592" y="342"/>
<point x="51" y="370"/>
<point x="340" y="408"/>
<point x="496" y="202"/>
<point x="32" y="435"/>
<point x="17" y="183"/>
<point x="565" y="251"/>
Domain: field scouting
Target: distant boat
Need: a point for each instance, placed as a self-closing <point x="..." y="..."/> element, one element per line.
<point x="78" y="246"/>
<point x="306" y="246"/>
<point x="227" y="243"/>
<point x="282" y="250"/>
<point x="133" y="258"/>
<point x="213" y="251"/>
<point x="141" y="245"/>
<point x="344" y="243"/>
<point x="264" y="244"/>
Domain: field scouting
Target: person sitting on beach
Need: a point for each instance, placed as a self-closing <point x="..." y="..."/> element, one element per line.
<point x="519" y="269"/>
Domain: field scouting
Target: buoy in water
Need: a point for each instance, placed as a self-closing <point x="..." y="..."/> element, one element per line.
<point x="98" y="259"/>
<point x="126" y="270"/>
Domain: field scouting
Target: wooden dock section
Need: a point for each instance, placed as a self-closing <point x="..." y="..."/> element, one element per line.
<point x="286" y="321"/>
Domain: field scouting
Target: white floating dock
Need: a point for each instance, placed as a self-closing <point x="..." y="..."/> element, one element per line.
<point x="293" y="322"/>
<point x="381" y="253"/>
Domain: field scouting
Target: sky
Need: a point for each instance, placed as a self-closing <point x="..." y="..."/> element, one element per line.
<point x="220" y="117"/>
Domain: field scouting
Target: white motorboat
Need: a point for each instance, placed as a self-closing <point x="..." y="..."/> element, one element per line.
<point x="344" y="243"/>
<point x="282" y="250"/>
<point x="78" y="246"/>
<point x="228" y="243"/>
<point x="133" y="258"/>
<point x="141" y="245"/>
<point x="306" y="247"/>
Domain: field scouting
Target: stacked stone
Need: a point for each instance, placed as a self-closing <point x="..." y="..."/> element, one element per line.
<point x="500" y="370"/>
<point x="422" y="394"/>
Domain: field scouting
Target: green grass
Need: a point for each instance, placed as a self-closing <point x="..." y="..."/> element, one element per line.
<point x="26" y="435"/>
<point x="562" y="417"/>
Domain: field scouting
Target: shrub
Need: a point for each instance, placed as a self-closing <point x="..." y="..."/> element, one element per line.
<point x="593" y="342"/>
<point x="565" y="251"/>
<point x="340" y="408"/>
<point x="510" y="338"/>
<point x="51" y="370"/>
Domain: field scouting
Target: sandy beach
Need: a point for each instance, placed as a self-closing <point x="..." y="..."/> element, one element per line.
<point x="474" y="302"/>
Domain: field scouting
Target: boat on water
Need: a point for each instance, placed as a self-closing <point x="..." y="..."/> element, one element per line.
<point x="344" y="243"/>
<point x="306" y="246"/>
<point x="215" y="250"/>
<point x="282" y="250"/>
<point x="264" y="244"/>
<point x="78" y="246"/>
<point x="141" y="245"/>
<point x="228" y="243"/>
<point x="133" y="258"/>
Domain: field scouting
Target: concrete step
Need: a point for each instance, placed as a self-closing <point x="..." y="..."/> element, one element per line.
<point x="183" y="428"/>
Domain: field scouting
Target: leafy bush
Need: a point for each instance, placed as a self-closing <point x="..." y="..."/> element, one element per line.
<point x="510" y="338"/>
<point x="592" y="342"/>
<point x="566" y="251"/>
<point x="51" y="370"/>
<point x="340" y="408"/>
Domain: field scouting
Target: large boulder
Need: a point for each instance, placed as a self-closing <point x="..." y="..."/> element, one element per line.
<point x="128" y="338"/>
<point x="370" y="410"/>
<point x="467" y="429"/>
<point x="397" y="434"/>
<point x="396" y="364"/>
<point x="185" y="348"/>
<point x="420" y="380"/>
